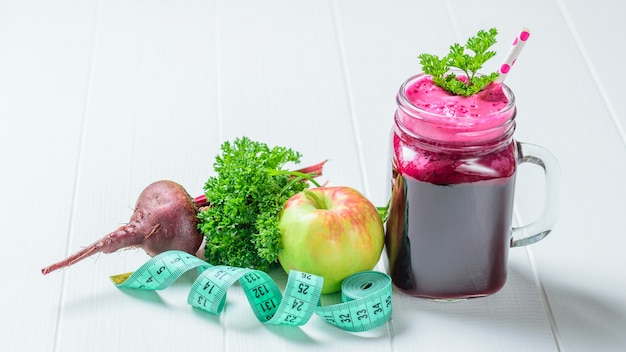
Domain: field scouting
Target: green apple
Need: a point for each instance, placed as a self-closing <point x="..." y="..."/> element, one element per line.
<point x="332" y="232"/>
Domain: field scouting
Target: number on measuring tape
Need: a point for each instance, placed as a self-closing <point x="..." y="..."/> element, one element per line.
<point x="367" y="303"/>
<point x="366" y="295"/>
<point x="160" y="271"/>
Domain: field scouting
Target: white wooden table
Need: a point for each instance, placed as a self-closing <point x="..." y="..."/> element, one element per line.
<point x="100" y="98"/>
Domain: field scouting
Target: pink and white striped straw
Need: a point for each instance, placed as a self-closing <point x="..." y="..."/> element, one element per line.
<point x="516" y="48"/>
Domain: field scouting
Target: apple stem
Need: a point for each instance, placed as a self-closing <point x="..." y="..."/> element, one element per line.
<point x="319" y="202"/>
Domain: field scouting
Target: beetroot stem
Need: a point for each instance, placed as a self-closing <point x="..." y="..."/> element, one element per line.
<point x="313" y="170"/>
<point x="201" y="201"/>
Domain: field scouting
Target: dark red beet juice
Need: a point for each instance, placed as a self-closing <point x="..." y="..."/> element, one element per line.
<point x="453" y="176"/>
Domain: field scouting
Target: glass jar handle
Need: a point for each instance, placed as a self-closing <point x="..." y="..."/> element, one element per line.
<point x="540" y="228"/>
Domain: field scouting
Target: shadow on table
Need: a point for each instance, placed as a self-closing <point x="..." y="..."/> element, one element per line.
<point x="585" y="322"/>
<point x="581" y="319"/>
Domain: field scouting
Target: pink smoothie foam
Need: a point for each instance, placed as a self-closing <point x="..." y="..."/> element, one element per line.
<point x="454" y="120"/>
<point x="476" y="108"/>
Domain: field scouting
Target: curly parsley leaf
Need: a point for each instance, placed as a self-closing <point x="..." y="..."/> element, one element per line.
<point x="459" y="58"/>
<point x="246" y="197"/>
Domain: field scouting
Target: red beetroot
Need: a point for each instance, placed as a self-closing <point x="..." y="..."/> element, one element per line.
<point x="165" y="218"/>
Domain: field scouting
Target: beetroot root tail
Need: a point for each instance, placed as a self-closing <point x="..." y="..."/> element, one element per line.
<point x="74" y="258"/>
<point x="118" y="239"/>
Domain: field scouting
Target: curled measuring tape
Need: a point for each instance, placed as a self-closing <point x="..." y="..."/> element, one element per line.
<point x="366" y="295"/>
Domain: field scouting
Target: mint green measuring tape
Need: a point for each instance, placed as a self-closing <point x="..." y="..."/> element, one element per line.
<point x="366" y="295"/>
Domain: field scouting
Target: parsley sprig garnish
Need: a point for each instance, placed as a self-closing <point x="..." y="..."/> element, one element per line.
<point x="459" y="58"/>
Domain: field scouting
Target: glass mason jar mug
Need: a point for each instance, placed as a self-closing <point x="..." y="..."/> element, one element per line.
<point x="449" y="224"/>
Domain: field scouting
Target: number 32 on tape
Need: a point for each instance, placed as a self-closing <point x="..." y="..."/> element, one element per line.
<point x="366" y="295"/>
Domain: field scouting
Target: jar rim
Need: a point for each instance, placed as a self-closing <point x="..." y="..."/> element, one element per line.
<point x="437" y="128"/>
<point x="429" y="116"/>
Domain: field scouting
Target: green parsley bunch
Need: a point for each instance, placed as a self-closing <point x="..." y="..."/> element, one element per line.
<point x="245" y="199"/>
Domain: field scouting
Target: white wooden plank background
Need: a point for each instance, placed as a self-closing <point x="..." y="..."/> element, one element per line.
<point x="100" y="98"/>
